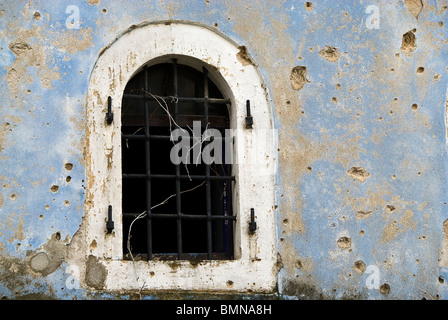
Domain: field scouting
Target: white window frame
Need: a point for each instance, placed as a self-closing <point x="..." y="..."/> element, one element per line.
<point x="254" y="266"/>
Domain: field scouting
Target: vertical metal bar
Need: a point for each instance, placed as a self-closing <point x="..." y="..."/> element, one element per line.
<point x="207" y="174"/>
<point x="148" y="172"/>
<point x="178" y="199"/>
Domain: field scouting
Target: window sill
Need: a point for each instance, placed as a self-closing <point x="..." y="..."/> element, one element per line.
<point x="213" y="275"/>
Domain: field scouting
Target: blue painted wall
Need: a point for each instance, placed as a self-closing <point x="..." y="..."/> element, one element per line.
<point x="355" y="111"/>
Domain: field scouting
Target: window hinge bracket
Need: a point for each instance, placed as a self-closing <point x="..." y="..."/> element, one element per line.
<point x="252" y="223"/>
<point x="109" y="113"/>
<point x="110" y="222"/>
<point x="249" y="119"/>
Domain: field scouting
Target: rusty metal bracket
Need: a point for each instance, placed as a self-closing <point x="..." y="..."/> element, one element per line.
<point x="249" y="119"/>
<point x="252" y="223"/>
<point x="110" y="223"/>
<point x="109" y="113"/>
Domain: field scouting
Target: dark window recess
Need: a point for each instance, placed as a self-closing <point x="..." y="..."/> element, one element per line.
<point x="187" y="208"/>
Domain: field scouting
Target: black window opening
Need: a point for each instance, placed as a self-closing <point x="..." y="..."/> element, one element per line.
<point x="174" y="211"/>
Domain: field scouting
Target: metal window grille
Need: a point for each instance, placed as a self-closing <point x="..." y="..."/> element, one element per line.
<point x="218" y="223"/>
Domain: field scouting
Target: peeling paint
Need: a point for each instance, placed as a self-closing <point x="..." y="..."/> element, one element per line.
<point x="360" y="119"/>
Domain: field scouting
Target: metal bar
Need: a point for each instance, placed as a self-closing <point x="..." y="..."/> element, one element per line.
<point x="173" y="176"/>
<point x="145" y="96"/>
<point x="184" y="216"/>
<point x="207" y="173"/>
<point x="163" y="120"/>
<point x="148" y="173"/>
<point x="178" y="197"/>
<point x="168" y="138"/>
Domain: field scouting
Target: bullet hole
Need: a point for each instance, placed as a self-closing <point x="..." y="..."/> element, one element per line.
<point x="394" y="177"/>
<point x="361" y="232"/>
<point x="385" y="289"/>
<point x="285" y="221"/>
<point x="440" y="24"/>
<point x="359" y="266"/>
<point x="288" y="102"/>
<point x="334" y="99"/>
<point x="309" y="169"/>
<point x="391" y="112"/>
<point x="229" y="283"/>
<point x="47" y="207"/>
<point x="390" y="208"/>
<point x="414" y="106"/>
<point x="36" y="16"/>
<point x="362" y="215"/>
<point x="299" y="264"/>
<point x="243" y="56"/>
<point x="54" y="188"/>
<point x="67" y="203"/>
<point x="207" y="2"/>
<point x="344" y="243"/>
<point x="298" y="77"/>
<point x="13" y="197"/>
<point x="215" y="25"/>
<point x="104" y="10"/>
<point x="358" y="173"/>
<point x="68" y="179"/>
<point x="437" y="77"/>
<point x="68" y="166"/>
<point x="408" y="42"/>
<point x="41" y="217"/>
<point x="420" y="69"/>
<point x="441" y="280"/>
<point x="330" y="53"/>
<point x="414" y="7"/>
<point x="338" y="86"/>
<point x="309" y="6"/>
<point x="57" y="236"/>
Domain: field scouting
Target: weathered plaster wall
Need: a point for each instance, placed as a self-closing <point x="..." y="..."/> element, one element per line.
<point x="360" y="115"/>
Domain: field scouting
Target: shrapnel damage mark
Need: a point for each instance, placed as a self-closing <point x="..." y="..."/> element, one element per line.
<point x="358" y="173"/>
<point x="298" y="77"/>
<point x="330" y="53"/>
<point x="414" y="7"/>
<point x="244" y="57"/>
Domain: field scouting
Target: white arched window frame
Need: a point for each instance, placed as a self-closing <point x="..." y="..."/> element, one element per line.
<point x="254" y="266"/>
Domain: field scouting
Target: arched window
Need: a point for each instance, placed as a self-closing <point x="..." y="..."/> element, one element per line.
<point x="175" y="210"/>
<point x="165" y="100"/>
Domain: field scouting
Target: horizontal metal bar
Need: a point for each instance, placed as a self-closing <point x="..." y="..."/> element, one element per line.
<point x="178" y="99"/>
<point x="173" y="177"/>
<point x="197" y="257"/>
<point x="168" y="138"/>
<point x="183" y="216"/>
<point x="163" y="120"/>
